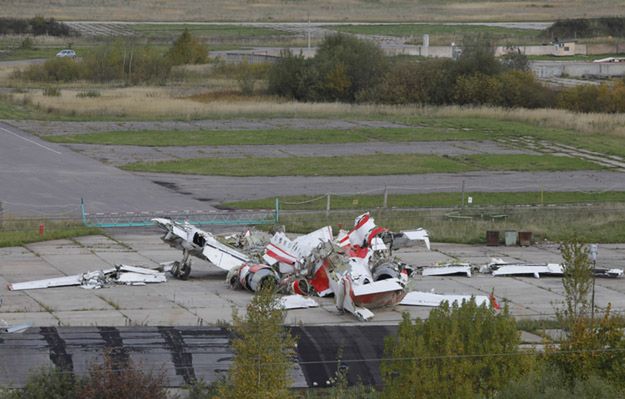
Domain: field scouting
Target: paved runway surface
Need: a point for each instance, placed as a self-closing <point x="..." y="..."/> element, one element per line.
<point x="176" y="325"/>
<point x="39" y="177"/>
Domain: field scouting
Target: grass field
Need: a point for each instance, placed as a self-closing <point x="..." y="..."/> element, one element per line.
<point x="432" y="200"/>
<point x="444" y="34"/>
<point x="15" y="232"/>
<point x="605" y="224"/>
<point x="278" y="136"/>
<point x="319" y="10"/>
<point x="379" y="164"/>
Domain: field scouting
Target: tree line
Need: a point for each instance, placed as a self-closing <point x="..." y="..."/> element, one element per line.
<point x="348" y="69"/>
<point x="36" y="26"/>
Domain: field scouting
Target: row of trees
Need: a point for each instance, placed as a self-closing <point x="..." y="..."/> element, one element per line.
<point x="121" y="60"/>
<point x="352" y="70"/>
<point x="36" y="26"/>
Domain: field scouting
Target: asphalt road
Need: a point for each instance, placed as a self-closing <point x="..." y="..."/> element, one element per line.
<point x="37" y="177"/>
<point x="215" y="189"/>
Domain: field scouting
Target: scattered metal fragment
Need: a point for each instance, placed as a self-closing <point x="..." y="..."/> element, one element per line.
<point x="120" y="274"/>
<point x="448" y="270"/>
<point x="419" y="298"/>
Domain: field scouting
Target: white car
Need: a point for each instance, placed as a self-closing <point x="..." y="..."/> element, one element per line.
<point x="66" y="53"/>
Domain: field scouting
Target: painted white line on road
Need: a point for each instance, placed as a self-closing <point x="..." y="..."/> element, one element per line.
<point x="30" y="141"/>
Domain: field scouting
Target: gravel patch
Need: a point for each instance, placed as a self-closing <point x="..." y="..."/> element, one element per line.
<point x="55" y="128"/>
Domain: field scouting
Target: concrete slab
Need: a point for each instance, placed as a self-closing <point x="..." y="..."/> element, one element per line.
<point x="91" y="318"/>
<point x="19" y="302"/>
<point x="529" y="338"/>
<point x="161" y="317"/>
<point x="68" y="299"/>
<point x="37" y="319"/>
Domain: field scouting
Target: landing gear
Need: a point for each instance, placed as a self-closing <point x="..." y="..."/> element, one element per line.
<point x="182" y="269"/>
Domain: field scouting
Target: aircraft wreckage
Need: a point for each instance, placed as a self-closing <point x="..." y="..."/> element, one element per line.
<point x="356" y="266"/>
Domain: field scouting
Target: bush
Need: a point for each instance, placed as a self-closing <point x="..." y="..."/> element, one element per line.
<point x="187" y="50"/>
<point x="52" y="383"/>
<point x="447" y="355"/>
<point x="347" y="66"/>
<point x="88" y="93"/>
<point x="584" y="27"/>
<point x="36" y="26"/>
<point x="119" y="61"/>
<point x="292" y="76"/>
<point x="53" y="70"/>
<point x="52" y="92"/>
<point x="115" y="381"/>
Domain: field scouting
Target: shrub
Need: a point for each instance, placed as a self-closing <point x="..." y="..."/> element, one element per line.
<point x="292" y="76"/>
<point x="88" y="93"/>
<point x="52" y="383"/>
<point x="347" y="66"/>
<point x="52" y="92"/>
<point x="36" y="26"/>
<point x="110" y="380"/>
<point x="447" y="355"/>
<point x="187" y="50"/>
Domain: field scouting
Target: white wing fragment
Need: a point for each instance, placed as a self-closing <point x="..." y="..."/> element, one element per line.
<point x="297" y="302"/>
<point x="120" y="274"/>
<point x="418" y="298"/>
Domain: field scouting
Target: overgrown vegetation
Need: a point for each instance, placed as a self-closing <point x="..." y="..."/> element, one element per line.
<point x="125" y="61"/>
<point x="459" y="351"/>
<point x="187" y="50"/>
<point x="431" y="200"/>
<point x="339" y="70"/>
<point x="587" y="27"/>
<point x="263" y="350"/>
<point x="15" y="232"/>
<point x="604" y="224"/>
<point x="106" y="380"/>
<point x="36" y="26"/>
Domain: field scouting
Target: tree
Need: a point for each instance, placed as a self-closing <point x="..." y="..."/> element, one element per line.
<point x="292" y="76"/>
<point x="455" y="353"/>
<point x="263" y="350"/>
<point x="588" y="348"/>
<point x="187" y="50"/>
<point x="347" y="66"/>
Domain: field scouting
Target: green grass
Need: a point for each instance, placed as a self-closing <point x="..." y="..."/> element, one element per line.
<point x="28" y="54"/>
<point x="599" y="223"/>
<point x="496" y="128"/>
<point x="16" y="232"/>
<point x="433" y="200"/>
<point x="278" y="136"/>
<point x="440" y="31"/>
<point x="379" y="164"/>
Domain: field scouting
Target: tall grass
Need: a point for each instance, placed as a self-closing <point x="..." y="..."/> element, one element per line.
<point x="167" y="103"/>
<point x="604" y="224"/>
<point x="19" y="231"/>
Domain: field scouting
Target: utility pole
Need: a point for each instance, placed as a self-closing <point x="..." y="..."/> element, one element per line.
<point x="594" y="249"/>
<point x="308" y="30"/>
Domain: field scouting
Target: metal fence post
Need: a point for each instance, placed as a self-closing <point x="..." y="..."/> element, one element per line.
<point x="82" y="211"/>
<point x="328" y="206"/>
<point x="385" y="204"/>
<point x="277" y="211"/>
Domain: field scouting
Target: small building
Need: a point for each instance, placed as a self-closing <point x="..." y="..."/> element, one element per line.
<point x="563" y="49"/>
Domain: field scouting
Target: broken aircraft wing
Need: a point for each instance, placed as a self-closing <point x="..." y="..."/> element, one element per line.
<point x="418" y="298"/>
